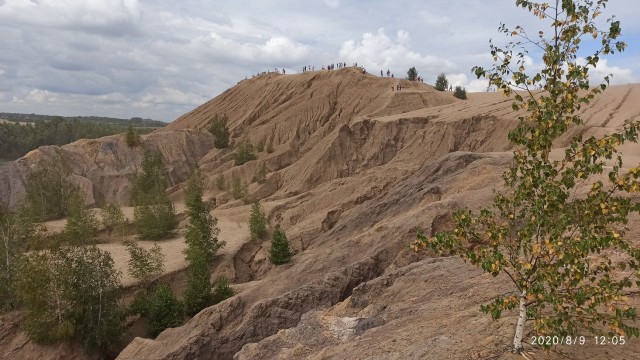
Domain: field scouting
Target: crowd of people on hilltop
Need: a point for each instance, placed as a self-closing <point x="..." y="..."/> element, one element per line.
<point x="339" y="65"/>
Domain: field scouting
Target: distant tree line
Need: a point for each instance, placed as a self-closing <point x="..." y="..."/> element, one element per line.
<point x="17" y="139"/>
<point x="136" y="121"/>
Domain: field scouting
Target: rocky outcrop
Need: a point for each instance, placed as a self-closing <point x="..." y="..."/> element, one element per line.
<point x="105" y="167"/>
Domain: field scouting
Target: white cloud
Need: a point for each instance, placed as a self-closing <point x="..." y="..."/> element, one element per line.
<point x="39" y="96"/>
<point x="276" y="50"/>
<point x="100" y="57"/>
<point x="170" y="96"/>
<point x="104" y="16"/>
<point x="380" y="52"/>
<point x="332" y="3"/>
<point x="432" y="19"/>
<point x="619" y="75"/>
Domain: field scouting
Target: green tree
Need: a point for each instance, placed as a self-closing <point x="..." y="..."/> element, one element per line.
<point x="460" y="93"/>
<point x="260" y="145"/>
<point x="280" y="252"/>
<point x="82" y="225"/>
<point x="131" y="137"/>
<point x="261" y="174"/>
<point x="222" y="290"/>
<point x="244" y="152"/>
<point x="48" y="189"/>
<point x="221" y="182"/>
<point x="441" y="82"/>
<point x="163" y="310"/>
<point x="154" y="213"/>
<point x="113" y="219"/>
<point x="16" y="230"/>
<point x="238" y="188"/>
<point x="257" y="222"/>
<point x="412" y="74"/>
<point x="144" y="265"/>
<point x="71" y="293"/>
<point x="556" y="245"/>
<point x="202" y="242"/>
<point x="220" y="130"/>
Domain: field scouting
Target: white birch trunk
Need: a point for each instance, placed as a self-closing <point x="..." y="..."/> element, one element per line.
<point x="522" y="318"/>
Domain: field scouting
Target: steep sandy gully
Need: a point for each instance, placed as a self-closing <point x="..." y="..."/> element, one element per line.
<point x="356" y="168"/>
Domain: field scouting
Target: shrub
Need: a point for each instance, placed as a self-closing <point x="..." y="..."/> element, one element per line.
<point x="82" y="225"/>
<point x="143" y="264"/>
<point x="113" y="219"/>
<point x="280" y="252"/>
<point x="222" y="291"/>
<point x="221" y="182"/>
<point x="270" y="148"/>
<point x="131" y="137"/>
<point x="261" y="174"/>
<point x="260" y="145"/>
<point x="460" y="93"/>
<point x="163" y="310"/>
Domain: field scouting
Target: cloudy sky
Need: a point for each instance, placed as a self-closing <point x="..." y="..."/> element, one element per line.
<point x="161" y="58"/>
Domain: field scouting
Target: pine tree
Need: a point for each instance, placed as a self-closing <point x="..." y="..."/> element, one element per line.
<point x="202" y="242"/>
<point x="154" y="213"/>
<point x="412" y="74"/>
<point x="218" y="127"/>
<point x="555" y="244"/>
<point x="257" y="222"/>
<point x="441" y="83"/>
<point x="280" y="252"/>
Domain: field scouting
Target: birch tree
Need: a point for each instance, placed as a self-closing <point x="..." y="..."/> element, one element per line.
<point x="555" y="246"/>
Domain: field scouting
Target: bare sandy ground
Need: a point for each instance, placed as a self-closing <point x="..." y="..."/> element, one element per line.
<point x="233" y="232"/>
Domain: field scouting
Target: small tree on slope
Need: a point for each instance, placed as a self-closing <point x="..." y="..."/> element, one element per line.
<point x="257" y="222"/>
<point x="441" y="82"/>
<point x="555" y="246"/>
<point x="280" y="252"/>
<point x="202" y="242"/>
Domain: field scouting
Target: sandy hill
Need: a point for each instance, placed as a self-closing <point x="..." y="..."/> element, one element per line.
<point x="357" y="167"/>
